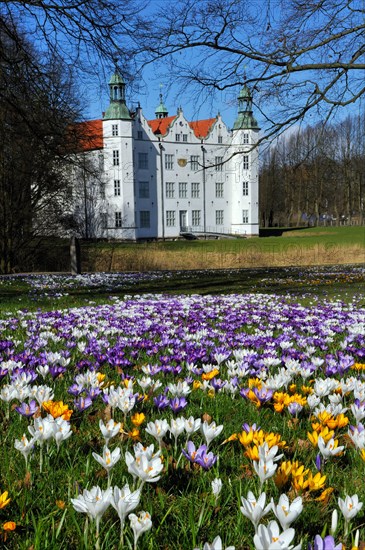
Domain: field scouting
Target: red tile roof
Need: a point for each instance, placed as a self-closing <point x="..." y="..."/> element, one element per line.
<point x="161" y="125"/>
<point x="87" y="136"/>
<point x="201" y="128"/>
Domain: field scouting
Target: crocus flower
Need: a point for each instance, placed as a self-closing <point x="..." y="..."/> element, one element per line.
<point x="140" y="524"/>
<point x="216" y="487"/>
<point x="216" y="545"/>
<point x="269" y="538"/>
<point x="158" y="429"/>
<point x="264" y="469"/>
<point x="93" y="503"/>
<point x="285" y="511"/>
<point x="350" y="506"/>
<point x="124" y="501"/>
<point x="204" y="459"/>
<point x="161" y="401"/>
<point x="144" y="468"/>
<point x="26" y="409"/>
<point x="326" y="543"/>
<point x="4" y="500"/>
<point x="109" y="430"/>
<point x="25" y="446"/>
<point x="254" y="508"/>
<point x="177" y="404"/>
<point x="109" y="459"/>
<point x="330" y="449"/>
<point x="83" y="403"/>
<point x="210" y="431"/>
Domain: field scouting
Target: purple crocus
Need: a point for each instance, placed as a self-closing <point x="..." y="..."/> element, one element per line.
<point x="161" y="401"/>
<point x="83" y="403"/>
<point x="26" y="409"/>
<point x="177" y="404"/>
<point x="295" y="408"/>
<point x="326" y="543"/>
<point x="190" y="451"/>
<point x="263" y="394"/>
<point x="247" y="428"/>
<point x="56" y="371"/>
<point x="204" y="459"/>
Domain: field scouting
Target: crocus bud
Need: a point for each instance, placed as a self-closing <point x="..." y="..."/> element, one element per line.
<point x="334" y="522"/>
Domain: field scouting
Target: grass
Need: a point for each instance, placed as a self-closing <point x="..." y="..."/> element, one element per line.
<point x="330" y="281"/>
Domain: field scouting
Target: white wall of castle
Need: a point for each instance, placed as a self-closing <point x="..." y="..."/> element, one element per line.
<point x="165" y="176"/>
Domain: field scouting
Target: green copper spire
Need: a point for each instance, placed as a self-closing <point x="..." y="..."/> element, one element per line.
<point x="245" y="119"/>
<point x="117" y="108"/>
<point x="161" y="111"/>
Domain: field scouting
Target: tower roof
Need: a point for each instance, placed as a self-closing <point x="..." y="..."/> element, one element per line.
<point x="245" y="119"/>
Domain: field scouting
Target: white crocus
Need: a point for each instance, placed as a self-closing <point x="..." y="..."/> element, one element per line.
<point x="93" y="503"/>
<point x="350" y="507"/>
<point x="254" y="508"/>
<point x="192" y="425"/>
<point x="216" y="487"/>
<point x="264" y="469"/>
<point x="140" y="524"/>
<point x="210" y="431"/>
<point x="287" y="512"/>
<point x="330" y="448"/>
<point x="215" y="545"/>
<point x="124" y="501"/>
<point x="269" y="538"/>
<point x="109" y="430"/>
<point x="177" y="426"/>
<point x="143" y="468"/>
<point x="109" y="459"/>
<point x="158" y="429"/>
<point x="25" y="446"/>
<point x="267" y="453"/>
<point x="61" y="430"/>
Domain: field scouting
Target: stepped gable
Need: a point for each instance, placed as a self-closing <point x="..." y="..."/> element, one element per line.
<point x="201" y="128"/>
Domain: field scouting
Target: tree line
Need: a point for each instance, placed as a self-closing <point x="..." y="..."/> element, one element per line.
<point x="315" y="176"/>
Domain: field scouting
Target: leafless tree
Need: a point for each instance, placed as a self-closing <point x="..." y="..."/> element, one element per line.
<point x="303" y="58"/>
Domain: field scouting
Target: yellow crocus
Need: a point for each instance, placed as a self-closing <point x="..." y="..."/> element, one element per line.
<point x="210" y="375"/>
<point x="245" y="438"/>
<point x="316" y="482"/>
<point x="196" y="385"/>
<point x="137" y="419"/>
<point x="252" y="453"/>
<point x="4" y="500"/>
<point x="100" y="377"/>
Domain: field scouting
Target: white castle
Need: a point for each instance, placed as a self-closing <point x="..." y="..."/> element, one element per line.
<point x="168" y="177"/>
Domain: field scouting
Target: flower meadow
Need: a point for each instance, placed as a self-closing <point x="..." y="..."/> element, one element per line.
<point x="184" y="422"/>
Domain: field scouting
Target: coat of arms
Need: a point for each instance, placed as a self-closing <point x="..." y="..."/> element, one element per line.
<point x="182" y="162"/>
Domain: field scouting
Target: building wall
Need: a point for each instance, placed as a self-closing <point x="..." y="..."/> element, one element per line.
<point x="177" y="182"/>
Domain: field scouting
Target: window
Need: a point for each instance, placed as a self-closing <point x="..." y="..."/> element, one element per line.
<point x="195" y="217"/>
<point x="244" y="216"/>
<point x="170" y="218"/>
<point x="115" y="130"/>
<point x="118" y="219"/>
<point x="245" y="188"/>
<point x="220" y="139"/>
<point x="195" y="190"/>
<point x="194" y="162"/>
<point x="170" y="189"/>
<point x="177" y="137"/>
<point x="219" y="190"/>
<point x="219" y="217"/>
<point x="245" y="138"/>
<point x="218" y="164"/>
<point x="185" y="137"/>
<point x="169" y="162"/>
<point x="103" y="220"/>
<point x="144" y="218"/>
<point x="144" y="190"/>
<point x="139" y="134"/>
<point x="245" y="162"/>
<point x="143" y="161"/>
<point x="115" y="157"/>
<point x="183" y="190"/>
<point x="117" y="188"/>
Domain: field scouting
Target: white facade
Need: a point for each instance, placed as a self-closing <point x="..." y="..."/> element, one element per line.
<point x="167" y="177"/>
